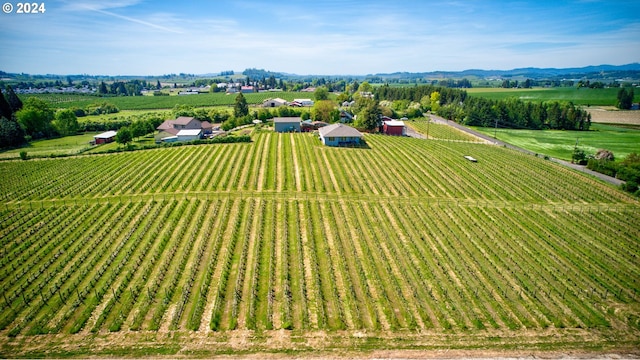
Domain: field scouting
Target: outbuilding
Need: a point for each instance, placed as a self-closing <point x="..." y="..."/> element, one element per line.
<point x="274" y="102"/>
<point x="189" y="134"/>
<point x="340" y="135"/>
<point x="105" y="137"/>
<point x="394" y="127"/>
<point x="286" y="124"/>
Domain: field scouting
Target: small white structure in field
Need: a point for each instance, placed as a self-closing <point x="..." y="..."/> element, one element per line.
<point x="470" y="158"/>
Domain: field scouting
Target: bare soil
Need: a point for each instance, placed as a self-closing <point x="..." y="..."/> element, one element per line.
<point x="610" y="115"/>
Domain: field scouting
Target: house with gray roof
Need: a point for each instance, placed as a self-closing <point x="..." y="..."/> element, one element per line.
<point x="340" y="135"/>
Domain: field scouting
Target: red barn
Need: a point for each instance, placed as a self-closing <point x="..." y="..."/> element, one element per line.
<point x="394" y="127"/>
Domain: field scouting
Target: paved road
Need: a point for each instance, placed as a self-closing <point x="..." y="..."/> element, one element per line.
<point x="438" y="120"/>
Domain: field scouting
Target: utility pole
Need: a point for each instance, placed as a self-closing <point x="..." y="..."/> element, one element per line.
<point x="495" y="131"/>
<point x="428" y="123"/>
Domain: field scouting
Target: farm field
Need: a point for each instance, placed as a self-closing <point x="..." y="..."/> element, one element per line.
<point x="560" y="144"/>
<point x="285" y="246"/>
<point x="64" y="145"/>
<point x="164" y="102"/>
<point x="440" y="131"/>
<point x="582" y="96"/>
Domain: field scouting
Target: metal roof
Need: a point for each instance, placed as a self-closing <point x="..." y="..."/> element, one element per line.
<point x="339" y="130"/>
<point x="287" y="119"/>
<point x="189" y="132"/>
<point x="394" y="123"/>
<point x="105" y="135"/>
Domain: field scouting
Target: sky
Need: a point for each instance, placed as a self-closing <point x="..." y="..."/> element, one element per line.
<point x="315" y="37"/>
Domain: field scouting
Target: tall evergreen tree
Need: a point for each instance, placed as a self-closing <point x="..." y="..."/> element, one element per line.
<point x="5" y="108"/>
<point x="14" y="101"/>
<point x="11" y="134"/>
<point x="625" y="99"/>
<point x="240" y="108"/>
<point x="102" y="89"/>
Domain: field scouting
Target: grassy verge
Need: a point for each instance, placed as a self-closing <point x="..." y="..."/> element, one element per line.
<point x="67" y="145"/>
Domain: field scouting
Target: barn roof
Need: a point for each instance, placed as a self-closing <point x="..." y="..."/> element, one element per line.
<point x="394" y="123"/>
<point x="105" y="135"/>
<point x="339" y="130"/>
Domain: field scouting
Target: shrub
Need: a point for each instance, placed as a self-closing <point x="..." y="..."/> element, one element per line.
<point x="23" y="155"/>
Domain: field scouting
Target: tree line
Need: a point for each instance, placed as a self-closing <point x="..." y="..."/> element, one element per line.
<point x="36" y="119"/>
<point x="454" y="104"/>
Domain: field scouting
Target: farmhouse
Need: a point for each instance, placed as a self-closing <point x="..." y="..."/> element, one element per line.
<point x="394" y="127"/>
<point x="274" y="102"/>
<point x="286" y="124"/>
<point x="340" y="135"/>
<point x="105" y="137"/>
<point x="162" y="135"/>
<point x="247" y="89"/>
<point x="183" y="122"/>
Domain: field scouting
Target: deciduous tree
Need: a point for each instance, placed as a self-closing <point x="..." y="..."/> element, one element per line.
<point x="124" y="136"/>
<point x="35" y="118"/>
<point x="625" y="98"/>
<point x="369" y="116"/>
<point x="435" y="101"/>
<point x="321" y="93"/>
<point x="325" y="110"/>
<point x="66" y="122"/>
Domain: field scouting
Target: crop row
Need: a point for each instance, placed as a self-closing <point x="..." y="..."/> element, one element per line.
<point x="299" y="163"/>
<point x="440" y="131"/>
<point x="271" y="263"/>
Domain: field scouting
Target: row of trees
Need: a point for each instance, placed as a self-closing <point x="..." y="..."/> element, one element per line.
<point x="455" y="105"/>
<point x="518" y="114"/>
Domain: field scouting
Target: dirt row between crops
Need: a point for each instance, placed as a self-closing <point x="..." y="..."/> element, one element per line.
<point x="572" y="344"/>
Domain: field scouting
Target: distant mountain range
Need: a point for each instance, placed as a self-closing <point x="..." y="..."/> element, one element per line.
<point x="596" y="72"/>
<point x="608" y="71"/>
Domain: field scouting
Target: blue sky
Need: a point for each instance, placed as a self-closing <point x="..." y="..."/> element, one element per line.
<point x="138" y="37"/>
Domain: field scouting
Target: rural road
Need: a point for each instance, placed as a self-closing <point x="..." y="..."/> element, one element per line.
<point x="439" y="120"/>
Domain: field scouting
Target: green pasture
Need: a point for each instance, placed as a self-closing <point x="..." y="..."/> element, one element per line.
<point x="65" y="145"/>
<point x="579" y="96"/>
<point x="560" y="144"/>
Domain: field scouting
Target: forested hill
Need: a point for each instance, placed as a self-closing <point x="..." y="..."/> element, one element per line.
<point x="599" y="71"/>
